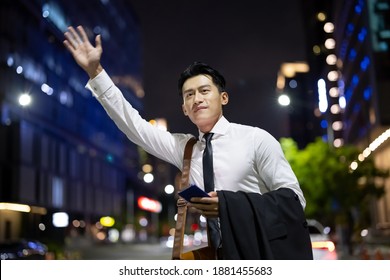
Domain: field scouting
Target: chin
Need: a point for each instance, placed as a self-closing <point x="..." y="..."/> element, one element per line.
<point x="204" y="125"/>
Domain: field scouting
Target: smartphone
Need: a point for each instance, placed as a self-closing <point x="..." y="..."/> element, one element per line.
<point x="193" y="191"/>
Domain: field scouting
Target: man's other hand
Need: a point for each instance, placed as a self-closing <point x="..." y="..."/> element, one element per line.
<point x="206" y="206"/>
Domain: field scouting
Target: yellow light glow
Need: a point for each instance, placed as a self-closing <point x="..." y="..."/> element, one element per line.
<point x="354" y="165"/>
<point x="329" y="245"/>
<point x="38" y="210"/>
<point x="321" y="16"/>
<point x="147" y="168"/>
<point x="280" y="82"/>
<point x="15" y="207"/>
<point x="290" y="69"/>
<point x="107" y="221"/>
<point x="316" y="49"/>
<point x="385" y="136"/>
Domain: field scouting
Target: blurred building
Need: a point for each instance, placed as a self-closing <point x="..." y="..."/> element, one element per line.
<point x="301" y="103"/>
<point x="61" y="152"/>
<point x="349" y="58"/>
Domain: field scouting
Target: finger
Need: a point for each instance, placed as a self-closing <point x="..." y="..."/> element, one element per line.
<point x="84" y="36"/>
<point x="69" y="38"/>
<point x="208" y="214"/>
<point x="74" y="33"/>
<point x="71" y="41"/>
<point x="210" y="210"/>
<point x="75" y="36"/>
<point x="194" y="204"/>
<point x="98" y="42"/>
<point x="202" y="199"/>
<point x="68" y="46"/>
<point x="204" y="207"/>
<point x="206" y="200"/>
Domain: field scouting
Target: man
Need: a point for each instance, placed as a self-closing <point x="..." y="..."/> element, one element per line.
<point x="247" y="161"/>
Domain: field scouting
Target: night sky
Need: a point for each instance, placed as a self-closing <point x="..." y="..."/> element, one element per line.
<point x="245" y="40"/>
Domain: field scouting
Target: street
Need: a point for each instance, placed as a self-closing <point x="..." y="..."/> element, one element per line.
<point x="140" y="251"/>
<point x="156" y="251"/>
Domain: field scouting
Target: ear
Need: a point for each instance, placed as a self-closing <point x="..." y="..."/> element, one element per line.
<point x="224" y="98"/>
<point x="184" y="110"/>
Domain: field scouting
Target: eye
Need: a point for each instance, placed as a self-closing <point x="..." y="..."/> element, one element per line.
<point x="188" y="95"/>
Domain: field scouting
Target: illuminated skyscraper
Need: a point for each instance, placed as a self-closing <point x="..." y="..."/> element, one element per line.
<point x="349" y="46"/>
<point x="61" y="152"/>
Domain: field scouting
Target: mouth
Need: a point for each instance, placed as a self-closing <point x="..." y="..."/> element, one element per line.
<point x="196" y="109"/>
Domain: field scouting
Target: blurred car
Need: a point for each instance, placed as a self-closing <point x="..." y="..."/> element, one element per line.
<point x="23" y="249"/>
<point x="322" y="244"/>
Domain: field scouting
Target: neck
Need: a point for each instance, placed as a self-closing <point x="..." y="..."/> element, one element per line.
<point x="207" y="127"/>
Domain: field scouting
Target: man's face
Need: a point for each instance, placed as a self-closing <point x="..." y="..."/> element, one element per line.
<point x="202" y="102"/>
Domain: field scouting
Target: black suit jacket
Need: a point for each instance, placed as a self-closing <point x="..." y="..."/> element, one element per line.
<point x="270" y="226"/>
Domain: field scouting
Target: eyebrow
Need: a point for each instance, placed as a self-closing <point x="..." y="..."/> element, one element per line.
<point x="188" y="91"/>
<point x="200" y="87"/>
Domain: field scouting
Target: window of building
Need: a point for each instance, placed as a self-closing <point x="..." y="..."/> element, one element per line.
<point x="57" y="192"/>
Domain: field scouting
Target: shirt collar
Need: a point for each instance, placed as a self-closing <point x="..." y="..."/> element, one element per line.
<point x="220" y="128"/>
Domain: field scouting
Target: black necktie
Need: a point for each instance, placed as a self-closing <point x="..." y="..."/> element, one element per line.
<point x="208" y="178"/>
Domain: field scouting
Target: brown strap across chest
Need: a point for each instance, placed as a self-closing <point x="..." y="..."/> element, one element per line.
<point x="181" y="203"/>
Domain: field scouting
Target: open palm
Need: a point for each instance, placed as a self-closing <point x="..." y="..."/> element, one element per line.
<point x="84" y="53"/>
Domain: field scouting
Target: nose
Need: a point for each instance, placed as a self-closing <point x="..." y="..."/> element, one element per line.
<point x="198" y="98"/>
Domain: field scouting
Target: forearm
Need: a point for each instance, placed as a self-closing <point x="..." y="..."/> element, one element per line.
<point x="155" y="141"/>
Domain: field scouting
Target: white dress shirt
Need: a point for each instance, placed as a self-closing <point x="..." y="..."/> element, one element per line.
<point x="245" y="158"/>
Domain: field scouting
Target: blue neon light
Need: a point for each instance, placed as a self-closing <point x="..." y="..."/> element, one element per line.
<point x="365" y="63"/>
<point x="367" y="93"/>
<point x="352" y="54"/>
<point x="362" y="34"/>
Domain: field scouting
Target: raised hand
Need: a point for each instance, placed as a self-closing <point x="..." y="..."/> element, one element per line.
<point x="86" y="55"/>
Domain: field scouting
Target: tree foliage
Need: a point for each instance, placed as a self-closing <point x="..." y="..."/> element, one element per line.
<point x="332" y="190"/>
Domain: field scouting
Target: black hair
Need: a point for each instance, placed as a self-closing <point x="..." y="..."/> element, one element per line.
<point x="199" y="68"/>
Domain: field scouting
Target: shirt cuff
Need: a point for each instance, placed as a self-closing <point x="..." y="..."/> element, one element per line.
<point x="100" y="84"/>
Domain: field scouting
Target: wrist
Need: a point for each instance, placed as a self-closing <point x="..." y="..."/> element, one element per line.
<point x="93" y="73"/>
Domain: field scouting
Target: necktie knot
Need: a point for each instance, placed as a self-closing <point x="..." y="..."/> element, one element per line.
<point x="208" y="137"/>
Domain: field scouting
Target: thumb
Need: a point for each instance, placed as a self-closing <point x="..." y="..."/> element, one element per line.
<point x="213" y="194"/>
<point x="98" y="42"/>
